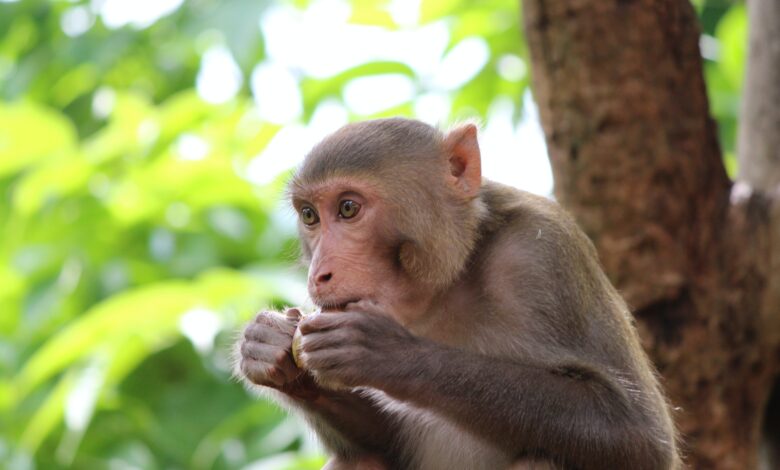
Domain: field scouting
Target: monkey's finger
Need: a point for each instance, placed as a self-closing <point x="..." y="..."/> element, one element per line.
<point x="315" y="341"/>
<point x="266" y="315"/>
<point x="325" y="321"/>
<point x="262" y="373"/>
<point x="269" y="335"/>
<point x="293" y="314"/>
<point x="261" y="352"/>
<point x="271" y="356"/>
<point x="342" y="360"/>
<point x="279" y="321"/>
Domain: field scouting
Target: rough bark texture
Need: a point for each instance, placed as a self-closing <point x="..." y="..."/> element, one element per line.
<point x="635" y="156"/>
<point x="759" y="134"/>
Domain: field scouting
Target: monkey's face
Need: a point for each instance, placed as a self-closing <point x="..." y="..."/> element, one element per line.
<point x="347" y="232"/>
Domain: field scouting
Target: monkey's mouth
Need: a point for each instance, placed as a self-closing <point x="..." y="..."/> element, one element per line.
<point x="338" y="306"/>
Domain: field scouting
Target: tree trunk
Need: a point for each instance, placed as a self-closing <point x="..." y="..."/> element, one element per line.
<point x="635" y="156"/>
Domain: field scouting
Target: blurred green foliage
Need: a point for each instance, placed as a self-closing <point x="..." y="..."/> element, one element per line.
<point x="726" y="21"/>
<point x="135" y="242"/>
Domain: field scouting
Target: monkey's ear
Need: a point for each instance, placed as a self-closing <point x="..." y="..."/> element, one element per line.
<point x="465" y="163"/>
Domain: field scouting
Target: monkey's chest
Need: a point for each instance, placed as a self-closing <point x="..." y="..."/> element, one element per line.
<point x="434" y="442"/>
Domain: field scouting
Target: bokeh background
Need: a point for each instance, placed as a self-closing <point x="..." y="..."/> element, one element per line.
<point x="144" y="147"/>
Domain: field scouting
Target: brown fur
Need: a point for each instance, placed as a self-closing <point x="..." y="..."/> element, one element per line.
<point x="478" y="331"/>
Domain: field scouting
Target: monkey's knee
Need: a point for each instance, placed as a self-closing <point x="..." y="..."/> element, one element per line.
<point x="365" y="462"/>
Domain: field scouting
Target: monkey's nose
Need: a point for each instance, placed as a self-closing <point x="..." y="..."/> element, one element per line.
<point x="323" y="278"/>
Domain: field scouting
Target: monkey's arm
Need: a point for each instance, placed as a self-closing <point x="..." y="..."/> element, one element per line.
<point x="349" y="423"/>
<point x="573" y="409"/>
<point x="572" y="412"/>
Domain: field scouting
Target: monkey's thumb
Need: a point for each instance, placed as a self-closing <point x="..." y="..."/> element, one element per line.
<point x="293" y="314"/>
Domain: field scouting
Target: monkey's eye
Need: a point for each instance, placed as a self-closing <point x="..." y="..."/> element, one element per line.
<point x="348" y="209"/>
<point x="308" y="216"/>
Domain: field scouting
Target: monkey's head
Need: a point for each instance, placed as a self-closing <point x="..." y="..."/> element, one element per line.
<point x="389" y="211"/>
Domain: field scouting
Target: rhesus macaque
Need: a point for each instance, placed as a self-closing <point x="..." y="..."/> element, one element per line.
<point x="464" y="325"/>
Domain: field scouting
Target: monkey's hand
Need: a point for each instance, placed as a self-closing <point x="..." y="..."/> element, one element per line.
<point x="359" y="347"/>
<point x="265" y="354"/>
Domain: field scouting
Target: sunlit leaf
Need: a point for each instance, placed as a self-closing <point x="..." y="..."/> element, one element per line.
<point x="731" y="163"/>
<point x="132" y="126"/>
<point x="76" y="82"/>
<point x="372" y="12"/>
<point x="29" y="133"/>
<point x="316" y="91"/>
<point x="12" y="287"/>
<point x="732" y="33"/>
<point x="130" y="203"/>
<point x="182" y="111"/>
<point x="486" y="22"/>
<point x="48" y="415"/>
<point x="306" y="463"/>
<point x="258" y="415"/>
<point x="20" y="37"/>
<point x="403" y="109"/>
<point x="260" y="137"/>
<point x="127" y="354"/>
<point x="150" y="313"/>
<point x="431" y="10"/>
<point x="55" y="180"/>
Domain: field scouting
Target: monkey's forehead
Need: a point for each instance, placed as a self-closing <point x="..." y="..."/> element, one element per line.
<point x="367" y="145"/>
<point x="313" y="190"/>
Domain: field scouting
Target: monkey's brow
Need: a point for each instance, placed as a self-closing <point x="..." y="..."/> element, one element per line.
<point x="297" y="202"/>
<point x="297" y="192"/>
<point x="310" y="191"/>
<point x="303" y="194"/>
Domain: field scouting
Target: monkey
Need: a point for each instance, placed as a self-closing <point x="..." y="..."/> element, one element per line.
<point x="464" y="324"/>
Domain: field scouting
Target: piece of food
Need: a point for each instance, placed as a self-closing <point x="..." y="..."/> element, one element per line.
<point x="296" y="346"/>
<point x="296" y="340"/>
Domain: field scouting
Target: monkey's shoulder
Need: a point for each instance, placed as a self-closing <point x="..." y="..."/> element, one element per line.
<point x="520" y="217"/>
<point x="533" y="244"/>
<point x="539" y="266"/>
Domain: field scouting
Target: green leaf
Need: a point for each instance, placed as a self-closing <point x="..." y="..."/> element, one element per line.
<point x="148" y="313"/>
<point x="48" y="415"/>
<point x="133" y="125"/>
<point x="315" y="91"/>
<point x="53" y="180"/>
<point x="12" y="288"/>
<point x="257" y="415"/>
<point x="732" y="34"/>
<point x="29" y="133"/>
<point x="79" y="81"/>
<point x="485" y="22"/>
<point x="182" y="111"/>
<point x="372" y="12"/>
<point x="432" y="10"/>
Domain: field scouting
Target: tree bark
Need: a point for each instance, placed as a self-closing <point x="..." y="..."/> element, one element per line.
<point x="759" y="132"/>
<point x="635" y="157"/>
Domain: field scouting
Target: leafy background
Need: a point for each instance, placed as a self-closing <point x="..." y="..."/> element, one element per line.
<point x="136" y="235"/>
